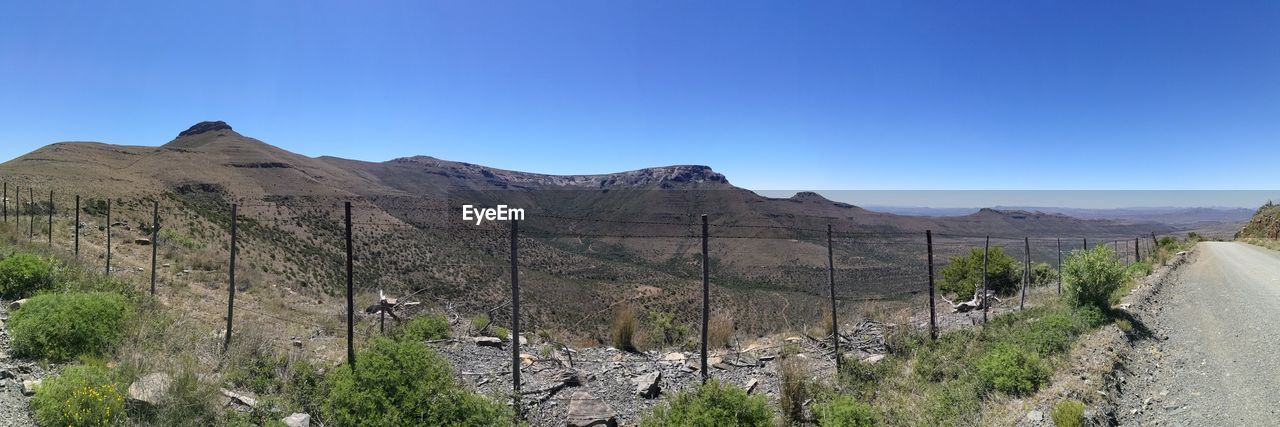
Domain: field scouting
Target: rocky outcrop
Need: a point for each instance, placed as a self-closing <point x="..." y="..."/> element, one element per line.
<point x="1265" y="224"/>
<point x="657" y="177"/>
<point x="203" y="127"/>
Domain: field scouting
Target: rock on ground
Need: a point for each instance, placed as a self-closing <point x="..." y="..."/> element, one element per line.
<point x="149" y="389"/>
<point x="14" y="410"/>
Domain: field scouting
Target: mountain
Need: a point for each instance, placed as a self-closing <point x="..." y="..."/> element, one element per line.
<point x="1183" y="218"/>
<point x="1265" y="223"/>
<point x="587" y="239"/>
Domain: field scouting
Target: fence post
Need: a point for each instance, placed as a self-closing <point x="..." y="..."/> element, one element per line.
<point x="706" y="296"/>
<point x="1059" y="266"/>
<point x="155" y="241"/>
<point x="1137" y="256"/>
<point x="515" y="319"/>
<point x="933" y="309"/>
<point x="77" y="227"/>
<point x="31" y="214"/>
<point x="6" y="202"/>
<point x="986" y="249"/>
<point x="351" y="305"/>
<point x="1155" y="244"/>
<point x="51" y="218"/>
<point x="831" y="282"/>
<point x="1026" y="271"/>
<point x="233" y="209"/>
<point x="1086" y="243"/>
<point x="231" y="280"/>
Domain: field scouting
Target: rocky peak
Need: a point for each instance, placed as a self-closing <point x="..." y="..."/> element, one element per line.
<point x="203" y="127"/>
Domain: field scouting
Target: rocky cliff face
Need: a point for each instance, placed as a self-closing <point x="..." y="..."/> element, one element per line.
<point x="203" y="127"/>
<point x="658" y="177"/>
<point x="1264" y="225"/>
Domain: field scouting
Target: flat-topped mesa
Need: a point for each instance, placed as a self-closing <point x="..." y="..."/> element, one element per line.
<point x="203" y="127"/>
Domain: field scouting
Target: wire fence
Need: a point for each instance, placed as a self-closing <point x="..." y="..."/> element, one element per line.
<point x="575" y="273"/>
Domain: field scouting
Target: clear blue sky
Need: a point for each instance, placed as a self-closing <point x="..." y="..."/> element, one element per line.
<point x="1017" y="94"/>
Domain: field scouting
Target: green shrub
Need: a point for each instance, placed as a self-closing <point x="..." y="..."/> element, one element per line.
<point x="63" y="326"/>
<point x="480" y="322"/>
<point x="667" y="331"/>
<point x="1012" y="370"/>
<point x="846" y="411"/>
<point x="425" y="328"/>
<point x="1090" y="277"/>
<point x="963" y="275"/>
<point x="711" y="404"/>
<point x="404" y="383"/>
<point x="22" y="274"/>
<point x="1138" y="269"/>
<point x="1043" y="274"/>
<point x="83" y="395"/>
<point x="1068" y="413"/>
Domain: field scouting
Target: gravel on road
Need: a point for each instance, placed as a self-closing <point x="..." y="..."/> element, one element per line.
<point x="1214" y="359"/>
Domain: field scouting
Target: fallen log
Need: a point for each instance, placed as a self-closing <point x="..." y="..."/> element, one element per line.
<point x="977" y="303"/>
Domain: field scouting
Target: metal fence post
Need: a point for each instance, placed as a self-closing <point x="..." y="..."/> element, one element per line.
<point x="1059" y="266"/>
<point x="351" y="305"/>
<point x="231" y="281"/>
<point x="109" y="234"/>
<point x="986" y="249"/>
<point x="155" y="241"/>
<point x="77" y="227"/>
<point x="1026" y="271"/>
<point x="933" y="308"/>
<point x="31" y="213"/>
<point x="1137" y="256"/>
<point x="831" y="282"/>
<point x="515" y="319"/>
<point x="51" y="218"/>
<point x="706" y="296"/>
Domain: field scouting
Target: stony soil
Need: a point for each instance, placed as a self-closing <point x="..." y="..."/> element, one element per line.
<point x="606" y="373"/>
<point x="14" y="410"/>
<point x="1214" y="361"/>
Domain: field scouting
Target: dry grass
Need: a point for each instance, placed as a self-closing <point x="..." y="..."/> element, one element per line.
<point x="795" y="388"/>
<point x="719" y="330"/>
<point x="626" y="322"/>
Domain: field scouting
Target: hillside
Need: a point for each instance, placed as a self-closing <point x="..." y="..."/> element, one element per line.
<point x="1265" y="224"/>
<point x="589" y="241"/>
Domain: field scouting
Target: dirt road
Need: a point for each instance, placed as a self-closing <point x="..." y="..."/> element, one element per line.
<point x="1219" y="360"/>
